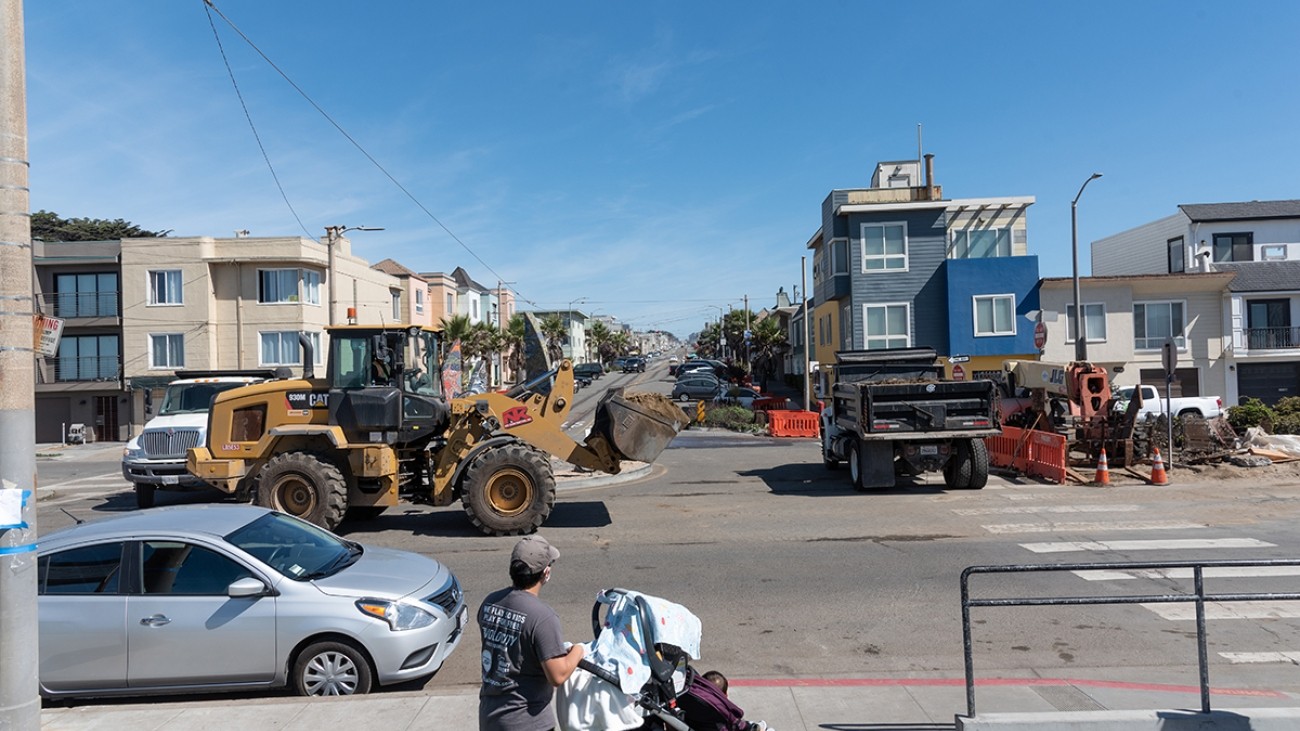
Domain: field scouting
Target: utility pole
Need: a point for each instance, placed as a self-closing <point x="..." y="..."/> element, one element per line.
<point x="20" y="700"/>
<point x="807" y="335"/>
<point x="332" y="236"/>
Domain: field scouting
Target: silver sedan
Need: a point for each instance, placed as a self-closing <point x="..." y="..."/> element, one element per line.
<point x="235" y="597"/>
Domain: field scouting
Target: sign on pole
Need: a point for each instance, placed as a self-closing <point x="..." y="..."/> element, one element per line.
<point x="958" y="373"/>
<point x="1169" y="356"/>
<point x="1040" y="335"/>
<point x="46" y="332"/>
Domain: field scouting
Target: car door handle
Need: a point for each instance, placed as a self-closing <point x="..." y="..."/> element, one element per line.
<point x="156" y="620"/>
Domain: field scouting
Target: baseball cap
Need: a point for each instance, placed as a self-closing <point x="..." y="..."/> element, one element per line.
<point x="534" y="552"/>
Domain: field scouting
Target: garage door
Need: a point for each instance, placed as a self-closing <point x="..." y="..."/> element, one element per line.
<point x="1187" y="381"/>
<point x="1268" y="382"/>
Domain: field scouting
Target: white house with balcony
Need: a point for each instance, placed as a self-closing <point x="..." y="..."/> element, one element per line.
<point x="1258" y="242"/>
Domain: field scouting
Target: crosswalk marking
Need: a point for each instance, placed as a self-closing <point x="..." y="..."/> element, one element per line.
<point x="1212" y="572"/>
<point x="1238" y="658"/>
<point x="1090" y="527"/>
<point x="1228" y="610"/>
<point x="1145" y="545"/>
<point x="1039" y="509"/>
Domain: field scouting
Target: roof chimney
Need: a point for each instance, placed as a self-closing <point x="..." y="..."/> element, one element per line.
<point x="929" y="176"/>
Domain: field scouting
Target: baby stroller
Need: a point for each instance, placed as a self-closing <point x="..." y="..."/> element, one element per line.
<point x="638" y="674"/>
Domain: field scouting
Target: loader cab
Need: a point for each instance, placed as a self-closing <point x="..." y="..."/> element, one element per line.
<point x="386" y="380"/>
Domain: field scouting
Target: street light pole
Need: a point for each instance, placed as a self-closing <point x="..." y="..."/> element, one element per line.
<point x="1080" y="334"/>
<point x="332" y="236"/>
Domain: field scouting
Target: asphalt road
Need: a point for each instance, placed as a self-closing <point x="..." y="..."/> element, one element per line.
<point x="794" y="575"/>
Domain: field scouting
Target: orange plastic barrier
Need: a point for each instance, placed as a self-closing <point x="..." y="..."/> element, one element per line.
<point x="1036" y="453"/>
<point x="788" y="423"/>
<point x="767" y="403"/>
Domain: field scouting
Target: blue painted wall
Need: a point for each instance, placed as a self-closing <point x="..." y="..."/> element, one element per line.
<point x="967" y="278"/>
<point x="922" y="283"/>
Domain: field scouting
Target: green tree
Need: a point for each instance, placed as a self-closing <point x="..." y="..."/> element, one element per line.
<point x="767" y="346"/>
<point x="50" y="226"/>
<point x="556" y="333"/>
<point x="512" y="343"/>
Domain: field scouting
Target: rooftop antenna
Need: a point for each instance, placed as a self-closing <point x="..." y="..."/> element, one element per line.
<point x="919" y="156"/>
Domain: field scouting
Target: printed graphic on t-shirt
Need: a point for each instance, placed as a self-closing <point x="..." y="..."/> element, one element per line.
<point x="501" y="630"/>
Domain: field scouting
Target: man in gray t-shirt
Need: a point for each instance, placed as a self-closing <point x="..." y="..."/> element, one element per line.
<point x="524" y="654"/>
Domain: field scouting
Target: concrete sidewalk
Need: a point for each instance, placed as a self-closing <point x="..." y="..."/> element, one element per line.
<point x="842" y="704"/>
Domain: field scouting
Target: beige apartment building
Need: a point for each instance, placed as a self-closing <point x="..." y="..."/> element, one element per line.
<point x="138" y="310"/>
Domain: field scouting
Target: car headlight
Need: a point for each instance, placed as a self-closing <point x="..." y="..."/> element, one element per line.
<point x="399" y="615"/>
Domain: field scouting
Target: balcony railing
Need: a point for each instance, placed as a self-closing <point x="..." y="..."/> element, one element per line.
<point x="1272" y="338"/>
<point x="67" y="305"/>
<point x="102" y="368"/>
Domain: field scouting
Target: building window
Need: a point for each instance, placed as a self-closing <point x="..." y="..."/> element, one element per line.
<point x="276" y="286"/>
<point x="886" y="326"/>
<point x="981" y="244"/>
<point x="1273" y="252"/>
<point x="397" y="305"/>
<point x="840" y="256"/>
<point x="87" y="358"/>
<point x="166" y="350"/>
<point x="85" y="295"/>
<point x="995" y="315"/>
<point x="165" y="287"/>
<point x="1094" y="325"/>
<point x="846" y="328"/>
<point x="473" y="310"/>
<point x="884" y="247"/>
<point x="419" y="301"/>
<point x="1155" y="322"/>
<point x="283" y="348"/>
<point x="1177" y="255"/>
<point x="1234" y="247"/>
<point x="451" y="304"/>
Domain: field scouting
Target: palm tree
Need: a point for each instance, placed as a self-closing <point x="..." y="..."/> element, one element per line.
<point x="600" y="336"/>
<point x="768" y="344"/>
<point x="555" y="332"/>
<point x="512" y="343"/>
<point x="456" y="327"/>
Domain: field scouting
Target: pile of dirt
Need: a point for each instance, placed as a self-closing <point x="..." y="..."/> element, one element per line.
<point x="660" y="406"/>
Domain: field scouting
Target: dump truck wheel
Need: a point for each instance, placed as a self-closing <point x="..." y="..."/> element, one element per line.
<point x="979" y="475"/>
<point x="305" y="486"/>
<point x="855" y="466"/>
<point x="508" y="490"/>
<point x="144" y="495"/>
<point x="969" y="465"/>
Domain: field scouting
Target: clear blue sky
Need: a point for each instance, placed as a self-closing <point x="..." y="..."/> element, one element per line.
<point x="660" y="159"/>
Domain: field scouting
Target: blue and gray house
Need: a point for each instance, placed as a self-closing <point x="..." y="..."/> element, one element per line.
<point x="898" y="265"/>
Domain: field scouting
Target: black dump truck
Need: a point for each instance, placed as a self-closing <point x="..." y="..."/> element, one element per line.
<point x="891" y="413"/>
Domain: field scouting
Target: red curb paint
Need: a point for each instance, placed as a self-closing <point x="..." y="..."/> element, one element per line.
<point x="949" y="682"/>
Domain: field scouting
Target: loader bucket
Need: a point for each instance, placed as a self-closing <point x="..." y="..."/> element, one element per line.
<point x="638" y="426"/>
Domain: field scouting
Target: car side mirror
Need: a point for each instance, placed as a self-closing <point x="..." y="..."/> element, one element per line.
<point x="247" y="586"/>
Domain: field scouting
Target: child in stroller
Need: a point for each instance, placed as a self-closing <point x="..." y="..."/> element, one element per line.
<point x="638" y="674"/>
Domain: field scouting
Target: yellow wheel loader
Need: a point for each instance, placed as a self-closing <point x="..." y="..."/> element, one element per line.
<point x="378" y="429"/>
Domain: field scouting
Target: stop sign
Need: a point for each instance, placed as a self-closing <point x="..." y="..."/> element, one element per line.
<point x="958" y="373"/>
<point x="1040" y="335"/>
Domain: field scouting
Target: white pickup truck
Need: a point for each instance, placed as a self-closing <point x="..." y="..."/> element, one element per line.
<point x="155" y="458"/>
<point x="1153" y="403"/>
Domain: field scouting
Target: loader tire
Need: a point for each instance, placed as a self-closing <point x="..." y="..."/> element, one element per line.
<point x="305" y="486"/>
<point x="508" y="490"/>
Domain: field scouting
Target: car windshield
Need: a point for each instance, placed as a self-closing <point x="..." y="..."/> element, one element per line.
<point x="295" y="548"/>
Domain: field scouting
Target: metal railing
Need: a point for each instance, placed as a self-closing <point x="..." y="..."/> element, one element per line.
<point x="97" y="368"/>
<point x="1199" y="597"/>
<point x="68" y="305"/>
<point x="1272" y="338"/>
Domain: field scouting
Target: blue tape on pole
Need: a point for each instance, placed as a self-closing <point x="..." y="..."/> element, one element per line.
<point x="11" y="550"/>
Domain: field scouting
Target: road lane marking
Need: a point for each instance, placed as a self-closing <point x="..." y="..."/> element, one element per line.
<point x="1037" y="509"/>
<point x="1146" y="545"/>
<point x="1090" y="527"/>
<point x="1227" y="610"/>
<point x="1211" y="572"/>
<point x="1238" y="658"/>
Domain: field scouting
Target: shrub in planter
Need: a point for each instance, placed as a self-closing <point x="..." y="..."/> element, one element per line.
<point x="1251" y="413"/>
<point x="1287" y="423"/>
<point x="736" y="418"/>
<point x="1287" y="406"/>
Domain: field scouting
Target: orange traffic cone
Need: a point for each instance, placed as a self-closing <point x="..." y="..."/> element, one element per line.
<point x="1103" y="470"/>
<point x="1158" y="476"/>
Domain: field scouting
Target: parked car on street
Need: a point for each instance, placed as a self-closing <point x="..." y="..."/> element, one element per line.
<point x="695" y="387"/>
<point x="738" y="396"/>
<point x="715" y="368"/>
<point x="235" y="597"/>
<point x="590" y="370"/>
<point x="634" y="365"/>
<point x="1153" y="403"/>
